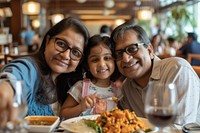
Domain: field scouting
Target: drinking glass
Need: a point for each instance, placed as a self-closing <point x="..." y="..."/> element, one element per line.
<point x="161" y="105"/>
<point x="19" y="105"/>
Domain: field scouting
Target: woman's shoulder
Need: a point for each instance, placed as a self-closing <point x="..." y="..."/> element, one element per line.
<point x="21" y="68"/>
<point x="25" y="62"/>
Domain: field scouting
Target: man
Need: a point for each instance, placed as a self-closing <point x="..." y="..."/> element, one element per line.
<point x="190" y="46"/>
<point x="105" y="30"/>
<point x="136" y="61"/>
<point x="27" y="36"/>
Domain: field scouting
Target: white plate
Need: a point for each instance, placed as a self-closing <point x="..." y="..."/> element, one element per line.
<point x="71" y="125"/>
<point x="43" y="128"/>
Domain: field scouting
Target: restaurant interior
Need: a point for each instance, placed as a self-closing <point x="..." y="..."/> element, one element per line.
<point x="168" y="24"/>
<point x="170" y="18"/>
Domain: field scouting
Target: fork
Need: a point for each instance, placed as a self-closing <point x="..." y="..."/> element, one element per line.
<point x="111" y="98"/>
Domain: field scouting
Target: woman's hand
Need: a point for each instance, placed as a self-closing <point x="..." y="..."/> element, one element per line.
<point x="88" y="102"/>
<point x="6" y="102"/>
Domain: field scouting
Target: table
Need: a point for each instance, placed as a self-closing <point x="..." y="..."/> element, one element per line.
<point x="61" y="130"/>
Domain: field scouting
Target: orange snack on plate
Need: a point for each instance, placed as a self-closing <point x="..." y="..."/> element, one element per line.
<point x="121" y="121"/>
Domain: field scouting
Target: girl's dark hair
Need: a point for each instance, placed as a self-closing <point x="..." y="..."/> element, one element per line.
<point x="49" y="93"/>
<point x="119" y="32"/>
<point x="93" y="42"/>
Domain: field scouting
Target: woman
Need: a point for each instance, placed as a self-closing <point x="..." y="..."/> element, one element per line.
<point x="60" y="53"/>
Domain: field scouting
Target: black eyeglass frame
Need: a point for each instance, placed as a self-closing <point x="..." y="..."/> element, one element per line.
<point x="127" y="51"/>
<point x="67" y="47"/>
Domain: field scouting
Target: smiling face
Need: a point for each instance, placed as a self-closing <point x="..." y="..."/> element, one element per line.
<point x="61" y="62"/>
<point x="100" y="62"/>
<point x="134" y="66"/>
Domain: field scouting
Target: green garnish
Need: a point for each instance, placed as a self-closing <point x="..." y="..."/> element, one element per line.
<point x="148" y="130"/>
<point x="93" y="125"/>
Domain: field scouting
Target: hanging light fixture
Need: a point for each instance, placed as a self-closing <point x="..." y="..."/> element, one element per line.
<point x="145" y="14"/>
<point x="81" y="1"/>
<point x="55" y="18"/>
<point x="109" y="3"/>
<point x="106" y="12"/>
<point x="31" y="8"/>
<point x="36" y="23"/>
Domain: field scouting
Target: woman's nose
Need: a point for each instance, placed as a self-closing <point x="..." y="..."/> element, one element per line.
<point x="66" y="54"/>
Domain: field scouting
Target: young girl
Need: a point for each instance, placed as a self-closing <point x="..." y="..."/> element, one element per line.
<point x="85" y="97"/>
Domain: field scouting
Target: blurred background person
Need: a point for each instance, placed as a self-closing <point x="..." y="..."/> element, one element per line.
<point x="172" y="46"/>
<point x="27" y="35"/>
<point x="105" y="30"/>
<point x="190" y="46"/>
<point x="158" y="44"/>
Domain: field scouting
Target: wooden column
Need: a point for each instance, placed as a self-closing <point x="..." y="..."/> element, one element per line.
<point x="16" y="19"/>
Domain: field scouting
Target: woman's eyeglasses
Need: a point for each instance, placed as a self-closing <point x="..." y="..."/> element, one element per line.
<point x="61" y="46"/>
<point x="130" y="50"/>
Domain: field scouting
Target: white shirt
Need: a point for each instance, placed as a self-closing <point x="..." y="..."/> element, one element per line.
<point x="175" y="70"/>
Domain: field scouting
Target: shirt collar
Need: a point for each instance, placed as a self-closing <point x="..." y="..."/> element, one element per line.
<point x="156" y="74"/>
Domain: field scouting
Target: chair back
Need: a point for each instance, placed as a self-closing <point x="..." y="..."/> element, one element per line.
<point x="193" y="56"/>
<point x="1" y="66"/>
<point x="197" y="57"/>
<point x="9" y="57"/>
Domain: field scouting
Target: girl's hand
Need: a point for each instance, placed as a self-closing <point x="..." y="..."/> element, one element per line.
<point x="118" y="84"/>
<point x="88" y="102"/>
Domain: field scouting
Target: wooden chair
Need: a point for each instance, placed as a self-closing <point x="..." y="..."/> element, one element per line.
<point x="193" y="56"/>
<point x="9" y="57"/>
<point x="197" y="57"/>
<point x="1" y="66"/>
<point x="197" y="70"/>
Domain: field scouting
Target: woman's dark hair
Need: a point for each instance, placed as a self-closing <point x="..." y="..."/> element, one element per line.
<point x="119" y="32"/>
<point x="47" y="93"/>
<point x="94" y="41"/>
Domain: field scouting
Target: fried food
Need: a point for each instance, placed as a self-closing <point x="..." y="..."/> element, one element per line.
<point x="120" y="121"/>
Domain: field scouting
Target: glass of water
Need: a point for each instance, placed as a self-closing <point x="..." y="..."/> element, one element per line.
<point x="19" y="106"/>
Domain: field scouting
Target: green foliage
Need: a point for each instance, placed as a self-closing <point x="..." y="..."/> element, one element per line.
<point x="180" y="17"/>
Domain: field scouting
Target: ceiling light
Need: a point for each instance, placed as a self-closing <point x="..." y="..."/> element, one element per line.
<point x="144" y="14"/>
<point x="138" y="2"/>
<point x="31" y="8"/>
<point x="57" y="18"/>
<point x="119" y="21"/>
<point x="106" y="12"/>
<point x="36" y="23"/>
<point x="81" y="1"/>
<point x="109" y="3"/>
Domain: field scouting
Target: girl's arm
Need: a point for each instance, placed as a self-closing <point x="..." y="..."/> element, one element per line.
<point x="71" y="108"/>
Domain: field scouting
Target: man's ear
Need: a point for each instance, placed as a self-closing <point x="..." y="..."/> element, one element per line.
<point x="151" y="50"/>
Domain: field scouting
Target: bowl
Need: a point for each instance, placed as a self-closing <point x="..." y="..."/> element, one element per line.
<point x="42" y="123"/>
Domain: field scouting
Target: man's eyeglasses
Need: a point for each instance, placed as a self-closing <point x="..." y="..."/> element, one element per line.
<point x="62" y="45"/>
<point x="130" y="50"/>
